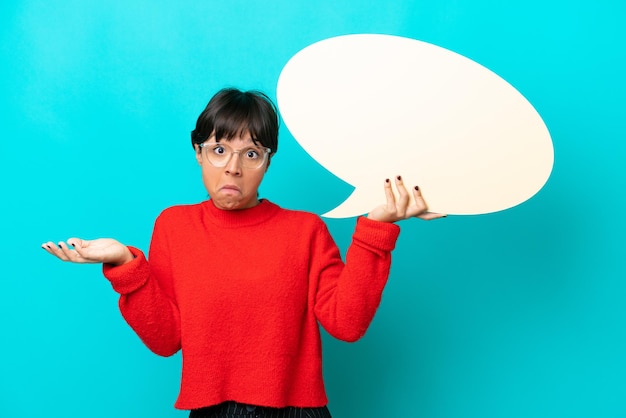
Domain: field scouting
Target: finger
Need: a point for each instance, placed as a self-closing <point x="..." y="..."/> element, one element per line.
<point x="70" y="254"/>
<point x="78" y="244"/>
<point x="429" y="216"/>
<point x="53" y="249"/>
<point x="47" y="246"/>
<point x="403" y="197"/>
<point x="420" y="205"/>
<point x="390" y="197"/>
<point x="82" y="250"/>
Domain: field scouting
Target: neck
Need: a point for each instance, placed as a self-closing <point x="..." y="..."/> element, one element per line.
<point x="260" y="212"/>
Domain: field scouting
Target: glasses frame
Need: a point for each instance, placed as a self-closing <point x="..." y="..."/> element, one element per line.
<point x="207" y="144"/>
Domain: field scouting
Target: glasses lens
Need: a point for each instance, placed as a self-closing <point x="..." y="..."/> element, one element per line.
<point x="219" y="154"/>
<point x="252" y="157"/>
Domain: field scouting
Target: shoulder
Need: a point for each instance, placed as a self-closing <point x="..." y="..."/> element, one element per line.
<point x="178" y="212"/>
<point x="299" y="216"/>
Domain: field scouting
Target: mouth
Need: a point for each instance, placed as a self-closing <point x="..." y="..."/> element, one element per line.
<point x="229" y="188"/>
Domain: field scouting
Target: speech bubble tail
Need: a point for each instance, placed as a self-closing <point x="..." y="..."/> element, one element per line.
<point x="352" y="206"/>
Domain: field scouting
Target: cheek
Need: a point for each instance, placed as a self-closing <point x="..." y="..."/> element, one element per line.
<point x="209" y="176"/>
<point x="258" y="178"/>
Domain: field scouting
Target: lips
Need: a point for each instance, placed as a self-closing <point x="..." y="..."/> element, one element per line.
<point x="230" y="188"/>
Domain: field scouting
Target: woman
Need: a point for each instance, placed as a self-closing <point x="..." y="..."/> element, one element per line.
<point x="240" y="284"/>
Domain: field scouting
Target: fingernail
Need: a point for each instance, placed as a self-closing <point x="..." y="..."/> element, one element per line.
<point x="386" y="180"/>
<point x="399" y="177"/>
<point x="417" y="188"/>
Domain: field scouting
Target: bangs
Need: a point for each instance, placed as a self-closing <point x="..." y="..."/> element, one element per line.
<point x="237" y="121"/>
<point x="232" y="113"/>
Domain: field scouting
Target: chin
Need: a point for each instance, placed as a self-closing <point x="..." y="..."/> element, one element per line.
<point x="229" y="204"/>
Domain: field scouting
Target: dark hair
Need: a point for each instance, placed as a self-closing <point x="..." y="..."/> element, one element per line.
<point x="232" y="112"/>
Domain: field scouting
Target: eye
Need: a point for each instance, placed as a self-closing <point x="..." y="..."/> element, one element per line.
<point x="219" y="150"/>
<point x="252" y="154"/>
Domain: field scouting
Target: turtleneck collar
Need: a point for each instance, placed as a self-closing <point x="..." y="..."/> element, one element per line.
<point x="240" y="217"/>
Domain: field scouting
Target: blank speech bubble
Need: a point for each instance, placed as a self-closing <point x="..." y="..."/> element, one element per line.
<point x="370" y="107"/>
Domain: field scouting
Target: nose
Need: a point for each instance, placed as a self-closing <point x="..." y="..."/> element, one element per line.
<point x="233" y="166"/>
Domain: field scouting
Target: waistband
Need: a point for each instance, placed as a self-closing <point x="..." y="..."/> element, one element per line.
<point x="233" y="409"/>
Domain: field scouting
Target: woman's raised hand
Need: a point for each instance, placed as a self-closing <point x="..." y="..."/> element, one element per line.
<point x="101" y="250"/>
<point x="402" y="207"/>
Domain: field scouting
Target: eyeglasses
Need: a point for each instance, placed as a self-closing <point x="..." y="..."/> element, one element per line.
<point x="220" y="153"/>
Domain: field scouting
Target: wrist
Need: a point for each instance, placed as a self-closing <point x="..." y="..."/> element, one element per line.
<point x="126" y="257"/>
<point x="377" y="218"/>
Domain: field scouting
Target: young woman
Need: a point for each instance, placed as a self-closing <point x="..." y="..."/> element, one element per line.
<point x="239" y="284"/>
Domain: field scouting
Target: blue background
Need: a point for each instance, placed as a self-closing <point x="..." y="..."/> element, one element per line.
<point x="515" y="314"/>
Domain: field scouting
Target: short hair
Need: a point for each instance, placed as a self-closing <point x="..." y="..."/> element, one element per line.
<point x="232" y="112"/>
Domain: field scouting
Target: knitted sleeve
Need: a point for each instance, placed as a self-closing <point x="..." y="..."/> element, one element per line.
<point x="147" y="300"/>
<point x="348" y="295"/>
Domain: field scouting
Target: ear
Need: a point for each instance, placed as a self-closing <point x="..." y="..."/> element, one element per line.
<point x="198" y="153"/>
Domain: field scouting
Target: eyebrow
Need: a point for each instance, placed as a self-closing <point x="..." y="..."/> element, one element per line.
<point x="253" y="141"/>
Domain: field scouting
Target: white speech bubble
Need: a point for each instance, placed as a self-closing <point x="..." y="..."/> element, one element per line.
<point x="369" y="107"/>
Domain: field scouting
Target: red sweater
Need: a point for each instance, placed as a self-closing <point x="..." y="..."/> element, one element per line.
<point x="242" y="292"/>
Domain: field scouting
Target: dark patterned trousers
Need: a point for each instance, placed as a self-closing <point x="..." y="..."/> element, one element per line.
<point x="240" y="410"/>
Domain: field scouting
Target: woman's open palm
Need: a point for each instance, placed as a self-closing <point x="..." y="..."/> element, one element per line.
<point x="101" y="250"/>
